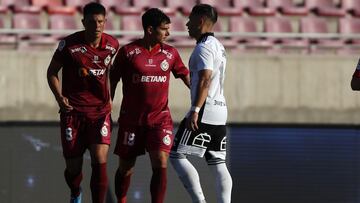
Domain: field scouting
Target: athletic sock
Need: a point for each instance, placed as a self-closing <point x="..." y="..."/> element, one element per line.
<point x="223" y="182"/>
<point x="73" y="181"/>
<point x="122" y="184"/>
<point x="158" y="185"/>
<point x="98" y="182"/>
<point x="189" y="177"/>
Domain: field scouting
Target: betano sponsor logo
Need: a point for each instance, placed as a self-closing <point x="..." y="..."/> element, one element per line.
<point x="149" y="78"/>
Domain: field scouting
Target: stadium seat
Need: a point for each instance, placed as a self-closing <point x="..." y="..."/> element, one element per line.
<point x="247" y="26"/>
<point x="146" y="4"/>
<point x="3" y="9"/>
<point x="184" y="6"/>
<point x="21" y="6"/>
<point x="284" y="25"/>
<point x="350" y="26"/>
<point x="79" y="4"/>
<point x="62" y="22"/>
<point x="6" y="40"/>
<point x="130" y="23"/>
<point x="30" y="21"/>
<point x="325" y="8"/>
<point x="54" y="6"/>
<point x="351" y="6"/>
<point x="288" y="7"/>
<point x="112" y="4"/>
<point x="317" y="25"/>
<point x="178" y="24"/>
<point x="254" y="7"/>
<point x="224" y="8"/>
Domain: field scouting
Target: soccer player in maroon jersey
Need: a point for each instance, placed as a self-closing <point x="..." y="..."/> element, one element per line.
<point x="84" y="100"/>
<point x="145" y="122"/>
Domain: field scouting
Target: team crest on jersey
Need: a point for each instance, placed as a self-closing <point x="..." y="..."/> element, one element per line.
<point x="104" y="131"/>
<point x="164" y="65"/>
<point x="167" y="140"/>
<point x="61" y="45"/>
<point x="107" y="60"/>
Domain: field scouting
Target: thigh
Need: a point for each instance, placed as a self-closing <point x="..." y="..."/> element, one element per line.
<point x="216" y="151"/>
<point x="193" y="142"/>
<point x="72" y="135"/>
<point x="130" y="141"/>
<point x="98" y="131"/>
<point x="159" y="138"/>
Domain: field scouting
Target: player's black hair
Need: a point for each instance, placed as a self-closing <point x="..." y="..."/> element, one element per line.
<point x="205" y="10"/>
<point x="94" y="8"/>
<point x="154" y="17"/>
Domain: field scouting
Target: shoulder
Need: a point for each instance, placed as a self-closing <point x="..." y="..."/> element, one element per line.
<point x="110" y="39"/>
<point x="70" y="40"/>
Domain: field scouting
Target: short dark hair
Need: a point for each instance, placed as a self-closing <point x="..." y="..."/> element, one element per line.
<point x="154" y="17"/>
<point x="205" y="10"/>
<point x="94" y="8"/>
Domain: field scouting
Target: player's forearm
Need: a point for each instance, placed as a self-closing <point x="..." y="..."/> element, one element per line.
<point x="186" y="80"/>
<point x="54" y="84"/>
<point x="202" y="92"/>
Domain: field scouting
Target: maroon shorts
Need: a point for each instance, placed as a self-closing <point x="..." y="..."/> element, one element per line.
<point x="132" y="141"/>
<point x="78" y="132"/>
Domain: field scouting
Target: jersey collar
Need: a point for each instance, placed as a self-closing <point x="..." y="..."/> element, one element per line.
<point x="204" y="36"/>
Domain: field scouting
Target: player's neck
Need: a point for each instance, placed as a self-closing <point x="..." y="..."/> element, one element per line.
<point x="93" y="41"/>
<point x="148" y="44"/>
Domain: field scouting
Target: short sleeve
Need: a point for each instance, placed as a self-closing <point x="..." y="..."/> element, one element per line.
<point x="60" y="52"/>
<point x="204" y="58"/>
<point x="179" y="68"/>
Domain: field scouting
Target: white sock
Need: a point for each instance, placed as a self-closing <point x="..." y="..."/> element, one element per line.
<point x="223" y="182"/>
<point x="190" y="178"/>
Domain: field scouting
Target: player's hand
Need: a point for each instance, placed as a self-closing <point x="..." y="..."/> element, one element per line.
<point x="191" y="122"/>
<point x="64" y="104"/>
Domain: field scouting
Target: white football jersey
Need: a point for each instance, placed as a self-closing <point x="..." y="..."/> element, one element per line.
<point x="210" y="54"/>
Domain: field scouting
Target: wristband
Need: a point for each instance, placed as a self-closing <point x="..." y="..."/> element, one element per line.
<point x="195" y="109"/>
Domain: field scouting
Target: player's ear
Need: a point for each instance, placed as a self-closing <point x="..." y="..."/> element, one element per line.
<point x="150" y="30"/>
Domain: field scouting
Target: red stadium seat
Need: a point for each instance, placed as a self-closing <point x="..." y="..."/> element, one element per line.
<point x="224" y="8"/>
<point x="352" y="6"/>
<point x="31" y="21"/>
<point x="317" y="25"/>
<point x="350" y="26"/>
<point x="79" y="4"/>
<point x="184" y="6"/>
<point x="178" y="24"/>
<point x="47" y="3"/>
<point x="62" y="22"/>
<point x="21" y="6"/>
<point x="254" y="7"/>
<point x="146" y="4"/>
<point x="130" y="23"/>
<point x="325" y="8"/>
<point x="6" y="40"/>
<point x="54" y="6"/>
<point x="112" y="4"/>
<point x="284" y="25"/>
<point x="247" y="25"/>
<point x="288" y="7"/>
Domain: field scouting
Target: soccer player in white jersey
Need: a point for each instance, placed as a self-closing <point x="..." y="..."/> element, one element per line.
<point x="203" y="130"/>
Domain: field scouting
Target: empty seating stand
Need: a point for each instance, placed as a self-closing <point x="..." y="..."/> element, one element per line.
<point x="288" y="7"/>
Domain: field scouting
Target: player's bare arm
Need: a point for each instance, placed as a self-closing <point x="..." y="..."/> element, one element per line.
<point x="54" y="84"/>
<point x="203" y="88"/>
<point x="186" y="80"/>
